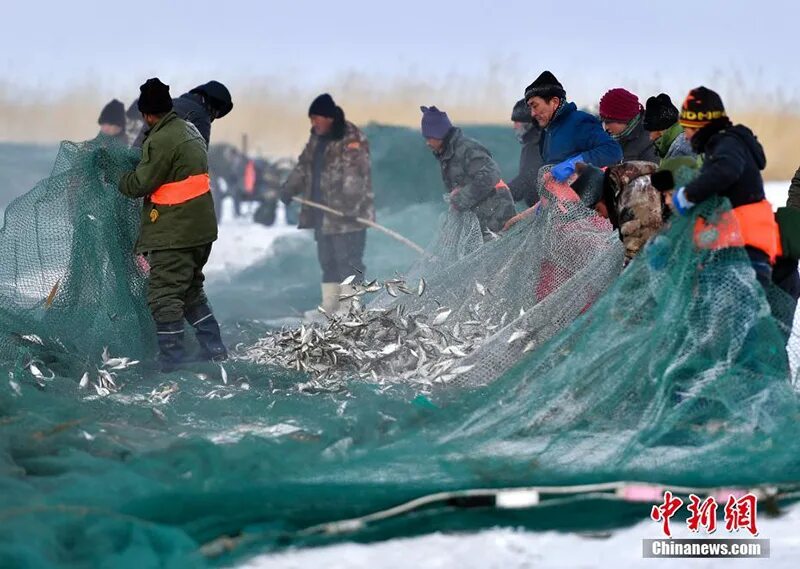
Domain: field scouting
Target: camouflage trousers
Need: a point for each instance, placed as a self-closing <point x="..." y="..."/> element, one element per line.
<point x="176" y="282"/>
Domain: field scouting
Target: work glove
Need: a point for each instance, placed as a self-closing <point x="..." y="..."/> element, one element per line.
<point x="104" y="165"/>
<point x="286" y="197"/>
<point x="680" y="202"/>
<point x="453" y="196"/>
<point x="566" y="168"/>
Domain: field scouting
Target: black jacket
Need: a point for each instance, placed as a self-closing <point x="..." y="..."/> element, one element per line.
<point x="190" y="107"/>
<point x="524" y="186"/>
<point x="638" y="146"/>
<point x="732" y="165"/>
<point x="794" y="191"/>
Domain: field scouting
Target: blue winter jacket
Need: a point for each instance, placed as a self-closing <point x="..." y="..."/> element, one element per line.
<point x="574" y="132"/>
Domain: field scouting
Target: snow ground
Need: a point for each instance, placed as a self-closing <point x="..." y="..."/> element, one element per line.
<point x="510" y="549"/>
<point x="243" y="243"/>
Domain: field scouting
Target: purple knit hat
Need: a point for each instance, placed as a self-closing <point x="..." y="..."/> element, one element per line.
<point x="435" y="123"/>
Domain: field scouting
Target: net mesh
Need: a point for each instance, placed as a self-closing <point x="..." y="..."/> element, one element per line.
<point x="69" y="283"/>
<point x="674" y="373"/>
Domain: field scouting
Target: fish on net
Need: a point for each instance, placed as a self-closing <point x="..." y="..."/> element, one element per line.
<point x="467" y="310"/>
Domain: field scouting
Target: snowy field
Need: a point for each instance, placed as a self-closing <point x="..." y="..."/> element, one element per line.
<point x="509" y="549"/>
<point x="242" y="243"/>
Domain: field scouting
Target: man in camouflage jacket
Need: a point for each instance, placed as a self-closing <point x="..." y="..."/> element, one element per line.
<point x="334" y="170"/>
<point x="470" y="174"/>
<point x="624" y="195"/>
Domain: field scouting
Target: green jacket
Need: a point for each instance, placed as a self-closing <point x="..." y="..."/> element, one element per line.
<point x="672" y="143"/>
<point x="172" y="151"/>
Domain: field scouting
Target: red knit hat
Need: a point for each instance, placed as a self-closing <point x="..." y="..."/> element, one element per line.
<point x="619" y="105"/>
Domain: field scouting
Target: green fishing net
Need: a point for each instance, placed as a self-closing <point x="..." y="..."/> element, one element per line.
<point x="676" y="372"/>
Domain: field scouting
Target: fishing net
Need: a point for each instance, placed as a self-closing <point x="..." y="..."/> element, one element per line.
<point x="676" y="373"/>
<point x="69" y="282"/>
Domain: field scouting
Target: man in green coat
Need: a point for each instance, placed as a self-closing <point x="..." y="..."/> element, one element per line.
<point x="178" y="226"/>
<point x="661" y="121"/>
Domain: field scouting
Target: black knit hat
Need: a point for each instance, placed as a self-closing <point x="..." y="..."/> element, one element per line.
<point x="155" y="98"/>
<point x="589" y="184"/>
<point x="545" y="86"/>
<point x="113" y="113"/>
<point x="217" y="96"/>
<point x="323" y="106"/>
<point x="521" y="112"/>
<point x="702" y="105"/>
<point x="659" y="113"/>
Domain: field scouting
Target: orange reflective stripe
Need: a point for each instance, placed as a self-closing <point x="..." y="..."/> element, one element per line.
<point x="250" y="177"/>
<point x="752" y="224"/>
<point x="176" y="193"/>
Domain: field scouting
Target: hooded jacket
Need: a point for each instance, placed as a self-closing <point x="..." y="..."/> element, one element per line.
<point x="732" y="165"/>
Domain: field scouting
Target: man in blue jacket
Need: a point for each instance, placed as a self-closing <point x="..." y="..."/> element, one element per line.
<point x="569" y="136"/>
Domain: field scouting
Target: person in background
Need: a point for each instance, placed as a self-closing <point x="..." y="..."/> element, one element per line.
<point x="784" y="272"/>
<point x="524" y="186"/>
<point x="471" y="176"/>
<point x="622" y="114"/>
<point x="334" y="170"/>
<point x="569" y="136"/>
<point x="201" y="106"/>
<point x="178" y="226"/>
<point x="112" y="121"/>
<point x="661" y="121"/>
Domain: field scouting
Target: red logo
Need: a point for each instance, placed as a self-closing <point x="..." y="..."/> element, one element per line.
<point x="666" y="510"/>
<point x="739" y="513"/>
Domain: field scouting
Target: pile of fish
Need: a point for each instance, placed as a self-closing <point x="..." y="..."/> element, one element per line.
<point x="381" y="345"/>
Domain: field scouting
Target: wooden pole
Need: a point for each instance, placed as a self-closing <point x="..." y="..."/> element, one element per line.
<point x="361" y="220"/>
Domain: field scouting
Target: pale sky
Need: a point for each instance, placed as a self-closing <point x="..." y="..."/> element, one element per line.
<point x="673" y="45"/>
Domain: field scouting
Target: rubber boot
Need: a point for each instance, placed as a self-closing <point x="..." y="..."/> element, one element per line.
<point x="207" y="332"/>
<point x="346" y="304"/>
<point x="170" y="345"/>
<point x="330" y="302"/>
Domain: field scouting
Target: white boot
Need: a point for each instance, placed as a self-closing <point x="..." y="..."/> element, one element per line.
<point x="344" y="305"/>
<point x="330" y="303"/>
<point x="330" y="297"/>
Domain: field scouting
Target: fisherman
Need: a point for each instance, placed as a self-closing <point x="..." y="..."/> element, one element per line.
<point x="785" y="273"/>
<point x="201" y="106"/>
<point x="569" y="136"/>
<point x="524" y="186"/>
<point x="178" y="226"/>
<point x="334" y="170"/>
<point x="622" y="114"/>
<point x="112" y="122"/>
<point x="661" y="121"/>
<point x="732" y="164"/>
<point x="625" y="195"/>
<point x="470" y="174"/>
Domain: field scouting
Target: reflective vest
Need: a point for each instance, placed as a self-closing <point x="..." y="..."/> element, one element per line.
<point x="176" y="193"/>
<point x="751" y="225"/>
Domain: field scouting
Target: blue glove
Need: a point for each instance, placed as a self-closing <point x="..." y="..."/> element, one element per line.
<point x="567" y="168"/>
<point x="681" y="202"/>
